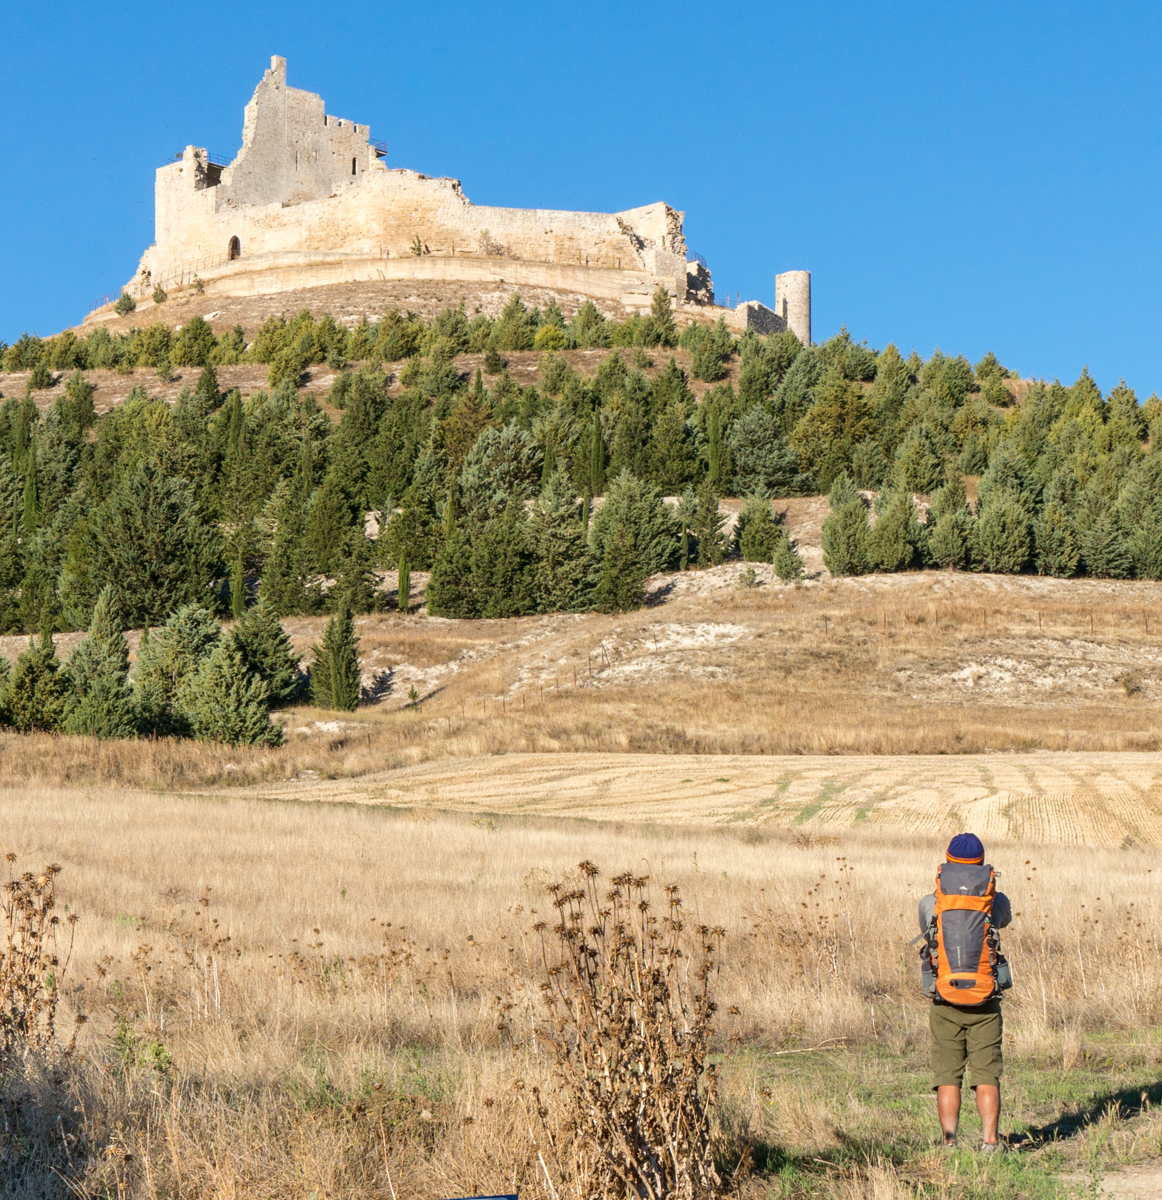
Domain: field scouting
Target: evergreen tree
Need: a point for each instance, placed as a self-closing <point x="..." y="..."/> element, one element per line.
<point x="152" y="542"/>
<point x="714" y="447"/>
<point x="919" y="463"/>
<point x="268" y="652"/>
<point x="662" y="330"/>
<point x="787" y="561"/>
<point x="563" y="567"/>
<point x="621" y="577"/>
<point x="763" y="461"/>
<point x="1103" y="547"/>
<point x="596" y="458"/>
<point x="335" y="677"/>
<point x="165" y="659"/>
<point x="1003" y="534"/>
<point x="709" y="523"/>
<point x="893" y="544"/>
<point x="450" y="591"/>
<point x="237" y="587"/>
<point x="31" y="492"/>
<point x="100" y="703"/>
<point x="951" y="532"/>
<point x="757" y="533"/>
<point x="1056" y="542"/>
<point x="686" y="514"/>
<point x="224" y="701"/>
<point x="37" y="694"/>
<point x="845" y="531"/>
<point x="404" y="587"/>
<point x="504" y="566"/>
<point x="634" y="512"/>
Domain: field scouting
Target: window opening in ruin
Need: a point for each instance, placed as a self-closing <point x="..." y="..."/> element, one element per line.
<point x="353" y="166"/>
<point x="234" y="250"/>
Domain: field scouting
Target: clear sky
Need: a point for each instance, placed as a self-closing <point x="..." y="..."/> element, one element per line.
<point x="973" y="180"/>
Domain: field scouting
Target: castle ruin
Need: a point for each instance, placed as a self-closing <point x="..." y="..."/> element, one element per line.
<point x="309" y="200"/>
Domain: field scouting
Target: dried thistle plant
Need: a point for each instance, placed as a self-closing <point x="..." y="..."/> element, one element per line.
<point x="31" y="971"/>
<point x="630" y="996"/>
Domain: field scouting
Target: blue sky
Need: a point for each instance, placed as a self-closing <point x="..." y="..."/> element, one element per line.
<point x="974" y="181"/>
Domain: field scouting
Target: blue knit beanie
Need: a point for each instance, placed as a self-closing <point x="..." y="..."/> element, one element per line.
<point x="966" y="848"/>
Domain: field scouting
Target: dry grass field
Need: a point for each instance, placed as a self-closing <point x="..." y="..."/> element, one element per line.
<point x="287" y="999"/>
<point x="293" y="961"/>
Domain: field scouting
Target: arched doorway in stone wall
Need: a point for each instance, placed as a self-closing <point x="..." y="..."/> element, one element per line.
<point x="235" y="249"/>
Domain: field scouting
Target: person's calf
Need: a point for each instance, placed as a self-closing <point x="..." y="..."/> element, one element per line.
<point x="988" y="1104"/>
<point x="948" y="1110"/>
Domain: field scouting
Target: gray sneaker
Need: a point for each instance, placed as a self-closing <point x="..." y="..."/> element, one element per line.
<point x="997" y="1147"/>
<point x="949" y="1143"/>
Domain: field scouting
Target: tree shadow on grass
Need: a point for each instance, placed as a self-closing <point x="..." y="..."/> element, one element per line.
<point x="1130" y="1102"/>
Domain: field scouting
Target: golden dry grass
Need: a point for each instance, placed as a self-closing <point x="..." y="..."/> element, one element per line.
<point x="298" y="985"/>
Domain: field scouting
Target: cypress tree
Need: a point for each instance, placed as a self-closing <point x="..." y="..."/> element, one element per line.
<point x="404" y="588"/>
<point x="893" y="543"/>
<point x="450" y="592"/>
<point x="714" y="437"/>
<point x="237" y="587"/>
<point x="662" y="329"/>
<point x="596" y="458"/>
<point x="708" y="526"/>
<point x="687" y="514"/>
<point x="621" y="578"/>
<point x="31" y="492"/>
<point x="1145" y="543"/>
<point x="1103" y="547"/>
<point x="268" y="652"/>
<point x="335" y="677"/>
<point x="224" y="701"/>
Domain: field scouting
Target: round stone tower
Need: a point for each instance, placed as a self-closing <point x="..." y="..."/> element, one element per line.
<point x="793" y="302"/>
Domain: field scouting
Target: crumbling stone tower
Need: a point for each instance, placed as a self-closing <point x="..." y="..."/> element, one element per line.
<point x="793" y="303"/>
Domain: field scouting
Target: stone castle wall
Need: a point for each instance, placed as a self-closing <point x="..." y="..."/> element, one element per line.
<point x="309" y="200"/>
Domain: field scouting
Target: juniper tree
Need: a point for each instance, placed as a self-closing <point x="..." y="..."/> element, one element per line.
<point x="686" y="513"/>
<point x="845" y="531"/>
<point x="893" y="543"/>
<point x="504" y="565"/>
<point x="761" y="457"/>
<point x="335" y="677"/>
<point x="757" y="533"/>
<point x="649" y="524"/>
<point x="225" y="701"/>
<point x="268" y="652"/>
<point x="37" y="694"/>
<point x="787" y="561"/>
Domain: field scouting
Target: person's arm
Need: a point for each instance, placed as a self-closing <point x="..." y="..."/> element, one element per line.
<point x="927" y="909"/>
<point x="1002" y="910"/>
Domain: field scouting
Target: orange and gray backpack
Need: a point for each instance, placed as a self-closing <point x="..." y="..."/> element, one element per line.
<point x="963" y="964"/>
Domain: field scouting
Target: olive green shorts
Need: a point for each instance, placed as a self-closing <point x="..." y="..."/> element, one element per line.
<point x="966" y="1037"/>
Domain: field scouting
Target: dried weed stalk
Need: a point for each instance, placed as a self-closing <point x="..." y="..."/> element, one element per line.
<point x="31" y="971"/>
<point x="631" y="1004"/>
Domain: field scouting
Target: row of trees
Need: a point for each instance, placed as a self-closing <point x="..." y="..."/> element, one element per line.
<point x="291" y="346"/>
<point x="190" y="678"/>
<point x="218" y="499"/>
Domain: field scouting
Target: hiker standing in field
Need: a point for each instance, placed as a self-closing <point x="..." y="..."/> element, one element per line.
<point x="963" y="971"/>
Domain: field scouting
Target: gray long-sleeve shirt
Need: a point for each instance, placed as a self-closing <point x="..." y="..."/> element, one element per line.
<point x="1002" y="910"/>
